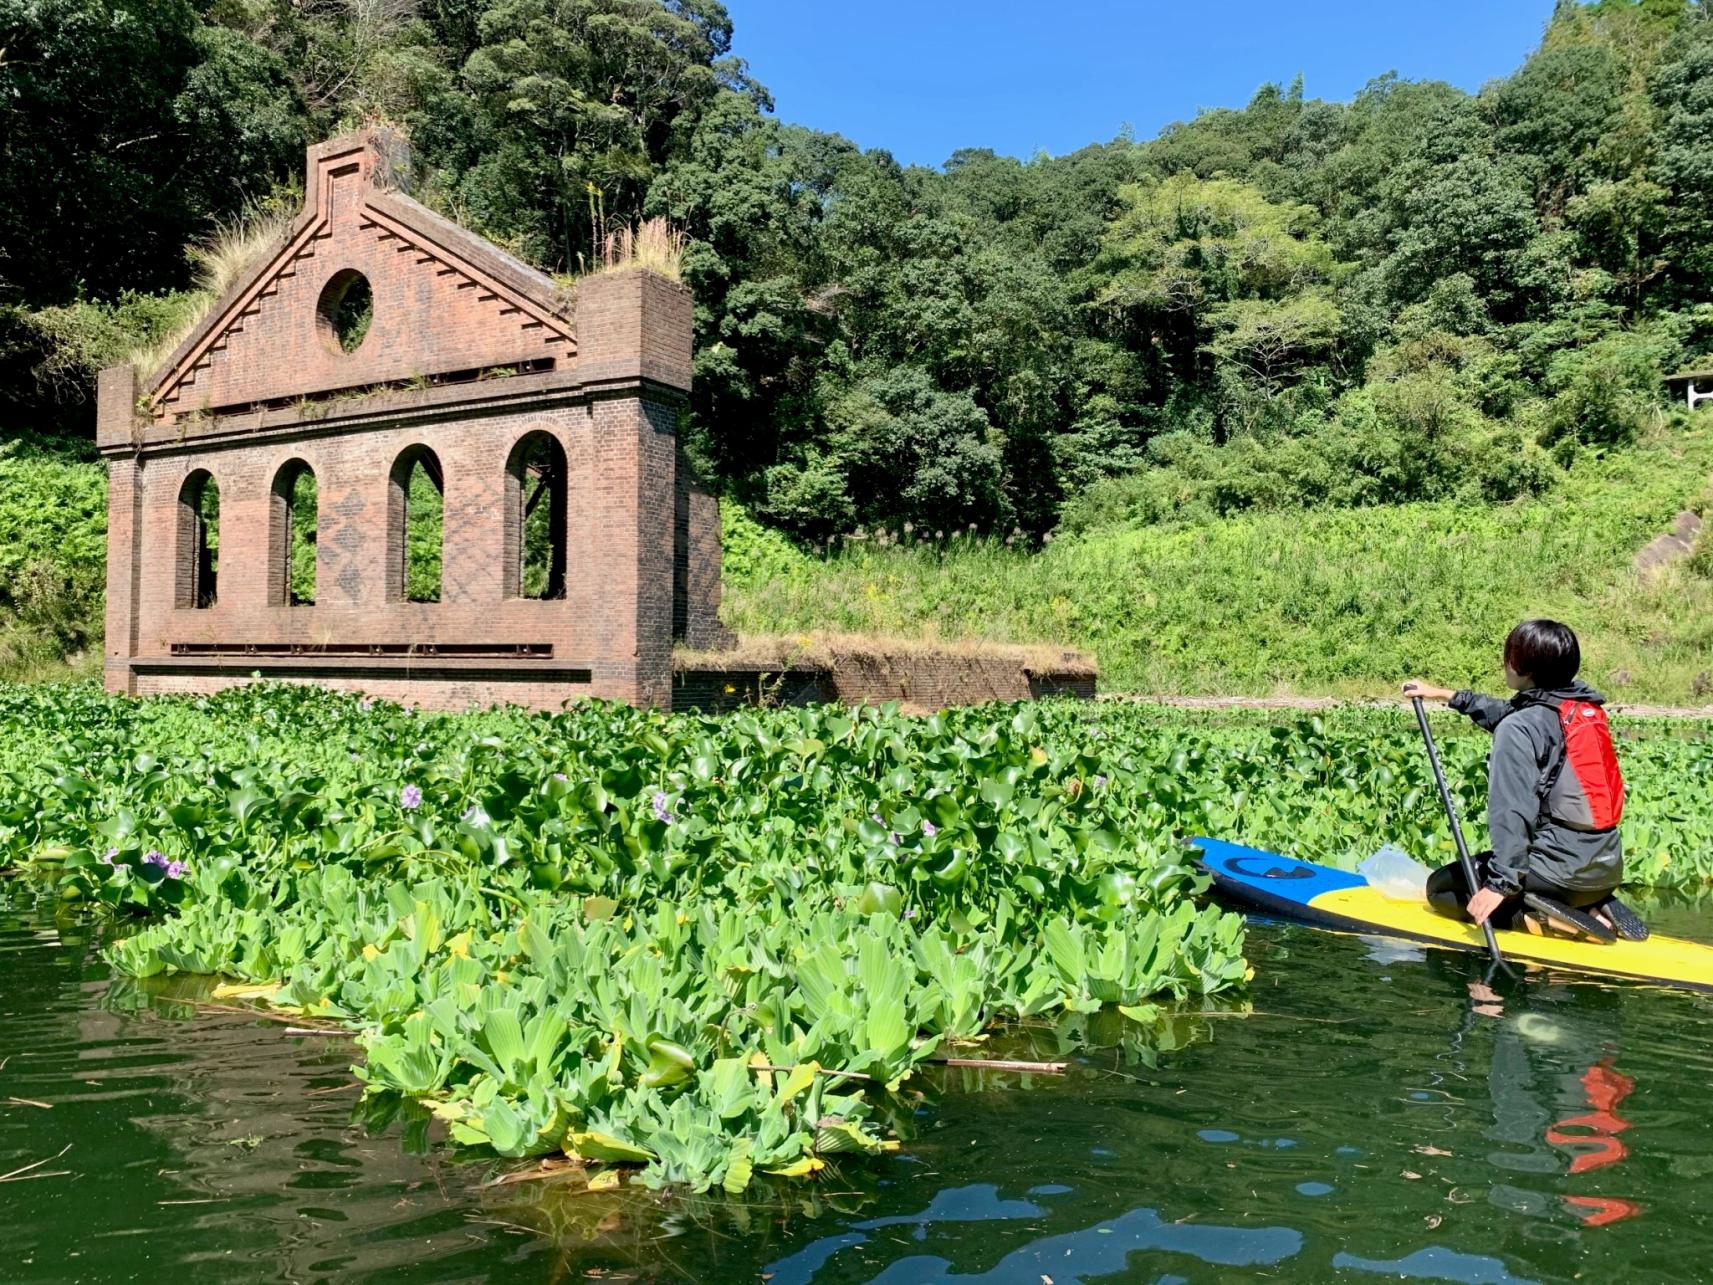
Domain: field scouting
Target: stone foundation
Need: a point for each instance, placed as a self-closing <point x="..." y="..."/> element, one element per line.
<point x="921" y="678"/>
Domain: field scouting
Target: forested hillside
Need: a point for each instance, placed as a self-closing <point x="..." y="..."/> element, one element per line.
<point x="1420" y="295"/>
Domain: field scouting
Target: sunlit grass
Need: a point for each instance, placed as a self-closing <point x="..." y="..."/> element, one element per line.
<point x="218" y="261"/>
<point x="1340" y="602"/>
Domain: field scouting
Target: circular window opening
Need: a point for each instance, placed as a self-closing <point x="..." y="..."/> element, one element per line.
<point x="347" y="307"/>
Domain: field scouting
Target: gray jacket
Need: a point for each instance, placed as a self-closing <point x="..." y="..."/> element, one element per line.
<point x="1527" y="743"/>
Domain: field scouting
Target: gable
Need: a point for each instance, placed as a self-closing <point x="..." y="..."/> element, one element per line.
<point x="445" y="303"/>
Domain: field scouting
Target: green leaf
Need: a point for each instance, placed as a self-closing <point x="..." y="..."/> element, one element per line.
<point x="603" y="1146"/>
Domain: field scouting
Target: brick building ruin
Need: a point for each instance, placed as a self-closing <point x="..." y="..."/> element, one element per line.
<point x="383" y="365"/>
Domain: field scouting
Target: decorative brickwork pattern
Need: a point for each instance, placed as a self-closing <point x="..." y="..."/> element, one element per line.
<point x="467" y="353"/>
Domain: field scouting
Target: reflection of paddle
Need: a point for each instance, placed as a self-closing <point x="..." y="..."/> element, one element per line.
<point x="1463" y="858"/>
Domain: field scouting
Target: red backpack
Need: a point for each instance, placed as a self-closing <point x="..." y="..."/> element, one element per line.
<point x="1585" y="788"/>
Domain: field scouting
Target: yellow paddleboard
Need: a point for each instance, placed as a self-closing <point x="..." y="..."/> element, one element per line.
<point x="1337" y="899"/>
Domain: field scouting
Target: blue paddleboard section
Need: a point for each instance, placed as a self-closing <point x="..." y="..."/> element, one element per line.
<point x="1270" y="878"/>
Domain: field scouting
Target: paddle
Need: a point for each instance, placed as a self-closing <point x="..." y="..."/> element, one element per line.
<point x="1463" y="857"/>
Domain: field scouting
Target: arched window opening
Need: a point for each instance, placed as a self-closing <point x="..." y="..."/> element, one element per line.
<point x="416" y="526"/>
<point x="198" y="541"/>
<point x="536" y="518"/>
<point x="293" y="516"/>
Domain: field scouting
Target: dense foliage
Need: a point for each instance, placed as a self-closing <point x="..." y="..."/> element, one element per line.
<point x="1420" y="293"/>
<point x="53" y="555"/>
<point x="583" y="932"/>
<point x="589" y="931"/>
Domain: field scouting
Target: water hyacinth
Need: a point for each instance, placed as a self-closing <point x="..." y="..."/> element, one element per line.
<point x="110" y="857"/>
<point x="723" y="882"/>
<point x="154" y="858"/>
<point x="596" y="980"/>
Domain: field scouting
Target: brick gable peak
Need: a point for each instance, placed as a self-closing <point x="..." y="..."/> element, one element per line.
<point x="442" y="302"/>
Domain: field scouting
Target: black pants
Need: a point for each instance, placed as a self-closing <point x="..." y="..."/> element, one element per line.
<point x="1449" y="893"/>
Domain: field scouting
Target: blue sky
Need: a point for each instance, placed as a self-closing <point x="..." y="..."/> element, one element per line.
<point x="925" y="77"/>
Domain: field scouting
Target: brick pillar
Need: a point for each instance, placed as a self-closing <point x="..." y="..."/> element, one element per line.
<point x="116" y="409"/>
<point x="633" y="361"/>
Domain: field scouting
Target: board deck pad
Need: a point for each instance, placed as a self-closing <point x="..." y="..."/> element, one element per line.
<point x="1337" y="899"/>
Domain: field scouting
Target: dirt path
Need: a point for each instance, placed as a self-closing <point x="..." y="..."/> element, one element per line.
<point x="1310" y="703"/>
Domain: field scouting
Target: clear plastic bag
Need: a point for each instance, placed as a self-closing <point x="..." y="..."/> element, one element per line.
<point x="1396" y="874"/>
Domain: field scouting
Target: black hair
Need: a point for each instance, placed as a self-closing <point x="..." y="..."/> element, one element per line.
<point x="1545" y="652"/>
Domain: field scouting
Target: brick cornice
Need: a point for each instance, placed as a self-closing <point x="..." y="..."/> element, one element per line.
<point x="391" y="409"/>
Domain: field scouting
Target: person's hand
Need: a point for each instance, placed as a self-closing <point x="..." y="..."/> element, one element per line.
<point x="1427" y="691"/>
<point x="1483" y="904"/>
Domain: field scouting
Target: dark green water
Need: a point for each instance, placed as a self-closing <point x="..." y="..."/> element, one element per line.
<point x="1363" y="1123"/>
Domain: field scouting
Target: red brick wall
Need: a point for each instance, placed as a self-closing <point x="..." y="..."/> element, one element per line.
<point x="612" y="402"/>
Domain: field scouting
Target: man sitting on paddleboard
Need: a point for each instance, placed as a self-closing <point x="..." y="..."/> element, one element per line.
<point x="1554" y="796"/>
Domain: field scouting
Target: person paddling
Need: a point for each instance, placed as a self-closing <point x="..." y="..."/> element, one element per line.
<point x="1555" y="797"/>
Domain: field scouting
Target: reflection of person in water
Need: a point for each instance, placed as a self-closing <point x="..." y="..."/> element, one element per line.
<point x="1556" y="1091"/>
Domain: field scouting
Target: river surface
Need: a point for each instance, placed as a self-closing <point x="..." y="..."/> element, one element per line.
<point x="1366" y="1119"/>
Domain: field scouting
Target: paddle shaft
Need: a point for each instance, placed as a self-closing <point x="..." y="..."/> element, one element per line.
<point x="1463" y="857"/>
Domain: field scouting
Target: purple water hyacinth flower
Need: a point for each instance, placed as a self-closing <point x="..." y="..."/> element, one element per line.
<point x="364" y="706"/>
<point x="410" y="797"/>
<point x="930" y="829"/>
<point x="1100" y="782"/>
<point x="894" y="838"/>
<point x="662" y="813"/>
<point x="109" y="857"/>
<point x="560" y="776"/>
<point x="177" y="869"/>
<point x="153" y="858"/>
<point x="910" y="913"/>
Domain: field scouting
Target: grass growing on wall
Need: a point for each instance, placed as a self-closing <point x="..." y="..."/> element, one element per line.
<point x="1336" y="601"/>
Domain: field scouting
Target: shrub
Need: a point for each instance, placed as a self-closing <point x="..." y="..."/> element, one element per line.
<point x="53" y="538"/>
<point x="1604" y="393"/>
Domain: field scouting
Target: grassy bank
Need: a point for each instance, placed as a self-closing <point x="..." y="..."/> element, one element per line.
<point x="1341" y="602"/>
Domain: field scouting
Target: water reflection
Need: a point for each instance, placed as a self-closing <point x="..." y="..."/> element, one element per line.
<point x="1555" y="1089"/>
<point x="1097" y="1251"/>
<point x="1367" y="1112"/>
<point x="1436" y="1264"/>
